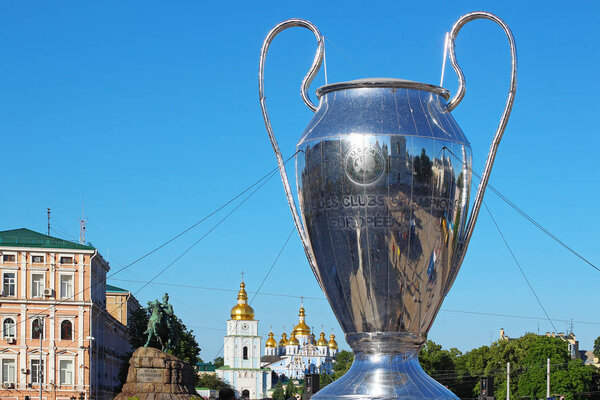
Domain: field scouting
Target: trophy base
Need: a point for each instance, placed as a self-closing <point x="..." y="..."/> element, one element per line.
<point x="377" y="374"/>
<point x="383" y="376"/>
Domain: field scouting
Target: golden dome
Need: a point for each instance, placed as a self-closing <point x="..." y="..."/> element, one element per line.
<point x="301" y="328"/>
<point x="332" y="343"/>
<point x="293" y="341"/>
<point x="270" y="341"/>
<point x="283" y="342"/>
<point x="242" y="311"/>
<point x="322" y="341"/>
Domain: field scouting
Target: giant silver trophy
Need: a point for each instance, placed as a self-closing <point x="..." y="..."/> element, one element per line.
<point x="383" y="175"/>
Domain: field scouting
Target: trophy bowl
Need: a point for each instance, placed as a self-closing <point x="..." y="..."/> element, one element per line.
<point x="383" y="176"/>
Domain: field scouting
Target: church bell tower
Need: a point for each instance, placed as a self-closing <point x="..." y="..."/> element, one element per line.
<point x="242" y="351"/>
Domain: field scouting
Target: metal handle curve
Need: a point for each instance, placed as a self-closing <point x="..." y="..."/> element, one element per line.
<point x="503" y="121"/>
<point x="312" y="73"/>
<point x="314" y="68"/>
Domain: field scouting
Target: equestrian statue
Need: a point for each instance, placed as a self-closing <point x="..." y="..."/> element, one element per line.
<point x="161" y="324"/>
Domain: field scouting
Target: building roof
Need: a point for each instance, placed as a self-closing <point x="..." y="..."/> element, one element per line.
<point x="587" y="356"/>
<point x="206" y="367"/>
<point x="114" y="289"/>
<point x="27" y="238"/>
<point x="270" y="359"/>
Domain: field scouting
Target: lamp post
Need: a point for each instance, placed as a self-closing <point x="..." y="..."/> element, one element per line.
<point x="40" y="331"/>
<point x="91" y="339"/>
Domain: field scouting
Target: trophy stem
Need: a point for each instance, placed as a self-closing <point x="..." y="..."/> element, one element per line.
<point x="386" y="366"/>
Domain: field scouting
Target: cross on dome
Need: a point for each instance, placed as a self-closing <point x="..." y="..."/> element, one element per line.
<point x="242" y="311"/>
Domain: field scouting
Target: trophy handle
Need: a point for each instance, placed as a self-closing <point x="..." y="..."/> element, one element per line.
<point x="501" y="126"/>
<point x="312" y="73"/>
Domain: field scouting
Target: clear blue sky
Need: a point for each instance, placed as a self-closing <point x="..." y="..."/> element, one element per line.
<point x="149" y="111"/>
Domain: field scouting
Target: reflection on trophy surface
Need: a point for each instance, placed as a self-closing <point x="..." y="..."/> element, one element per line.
<point x="383" y="179"/>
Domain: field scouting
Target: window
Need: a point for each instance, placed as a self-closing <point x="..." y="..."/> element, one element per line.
<point x="66" y="286"/>
<point x="9" y="370"/>
<point x="9" y="284"/>
<point x="37" y="285"/>
<point x="37" y="371"/>
<point x="8" y="258"/>
<point x="9" y="328"/>
<point x="245" y="353"/>
<point x="37" y="329"/>
<point x="66" y="260"/>
<point x="66" y="330"/>
<point x="66" y="372"/>
<point x="37" y="259"/>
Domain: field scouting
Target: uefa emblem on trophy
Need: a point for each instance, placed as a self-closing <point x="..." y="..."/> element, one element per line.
<point x="383" y="177"/>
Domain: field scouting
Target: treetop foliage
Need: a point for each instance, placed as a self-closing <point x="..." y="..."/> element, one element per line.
<point x="186" y="349"/>
<point x="528" y="362"/>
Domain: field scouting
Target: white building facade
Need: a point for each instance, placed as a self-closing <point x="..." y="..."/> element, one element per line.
<point x="301" y="354"/>
<point x="242" y="353"/>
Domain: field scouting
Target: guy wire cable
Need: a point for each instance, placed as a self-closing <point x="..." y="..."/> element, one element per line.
<point x="267" y="176"/>
<point x="108" y="313"/>
<point x="167" y="284"/>
<point x="61" y="301"/>
<point x="104" y="311"/>
<point x="181" y="255"/>
<point x="519" y="265"/>
<point x="273" y="265"/>
<point x="206" y="234"/>
<point x="265" y="278"/>
<point x="225" y="290"/>
<point x="526" y="216"/>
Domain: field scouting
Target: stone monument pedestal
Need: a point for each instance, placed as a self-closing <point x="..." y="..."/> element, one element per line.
<point x="155" y="375"/>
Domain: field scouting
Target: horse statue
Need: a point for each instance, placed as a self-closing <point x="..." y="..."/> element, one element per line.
<point x="161" y="324"/>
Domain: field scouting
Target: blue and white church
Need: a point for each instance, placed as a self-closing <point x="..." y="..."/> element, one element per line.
<point x="242" y="353"/>
<point x="300" y="354"/>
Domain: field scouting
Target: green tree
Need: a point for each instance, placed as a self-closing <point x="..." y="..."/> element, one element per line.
<point x="290" y="389"/>
<point x="597" y="347"/>
<point x="422" y="168"/>
<point x="528" y="357"/>
<point x="343" y="361"/>
<point x="442" y="365"/>
<point x="137" y="324"/>
<point x="535" y="350"/>
<point x="575" y="378"/>
<point x="186" y="349"/>
<point x="324" y="379"/>
<point x="437" y="361"/>
<point x="218" y="362"/>
<point x="211" y="381"/>
<point x="278" y="393"/>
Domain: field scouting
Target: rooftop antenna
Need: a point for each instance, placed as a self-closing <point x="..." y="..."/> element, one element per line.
<point x="571" y="325"/>
<point x="48" y="220"/>
<point x="82" y="225"/>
